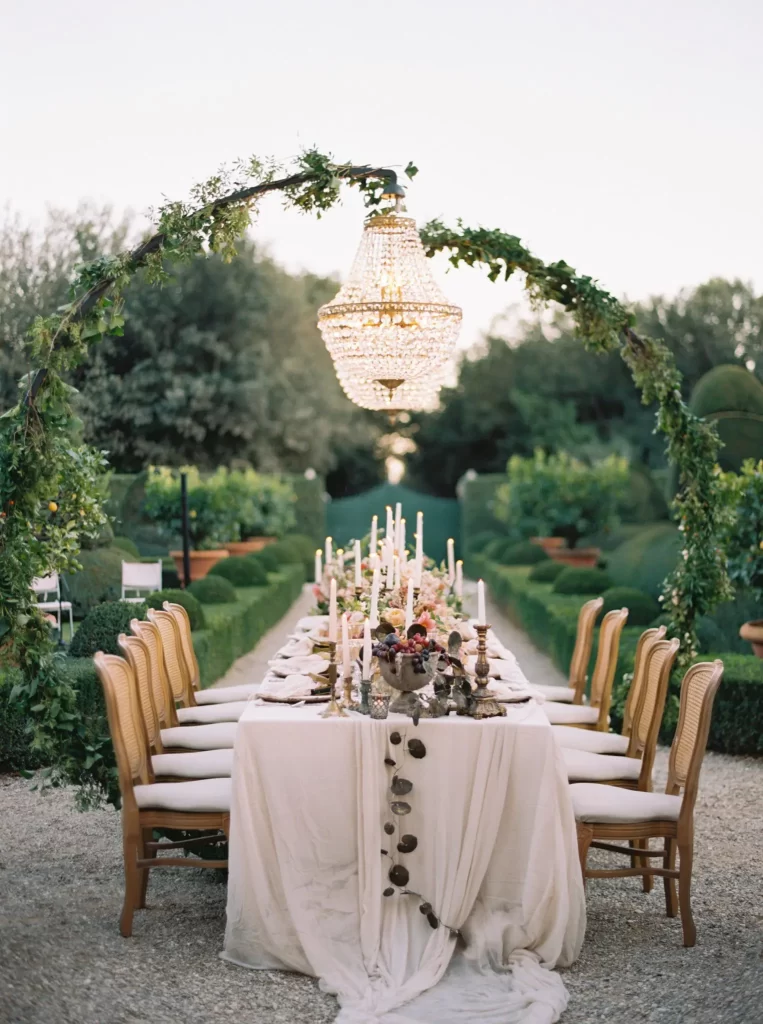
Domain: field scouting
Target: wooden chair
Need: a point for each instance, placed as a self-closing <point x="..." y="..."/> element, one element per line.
<point x="215" y="695"/>
<point x="595" y="715"/>
<point x="148" y="805"/>
<point x="634" y="771"/>
<point x="179" y="676"/>
<point x="610" y="742"/>
<point x="174" y="737"/>
<point x="605" y="814"/>
<point x="581" y="656"/>
<point x="204" y="764"/>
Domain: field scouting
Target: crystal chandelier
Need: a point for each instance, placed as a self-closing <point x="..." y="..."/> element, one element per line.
<point x="390" y="325"/>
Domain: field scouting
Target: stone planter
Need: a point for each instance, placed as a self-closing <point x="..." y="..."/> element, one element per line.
<point x="548" y="544"/>
<point x="581" y="558"/>
<point x="753" y="632"/>
<point x="201" y="562"/>
<point x="247" y="547"/>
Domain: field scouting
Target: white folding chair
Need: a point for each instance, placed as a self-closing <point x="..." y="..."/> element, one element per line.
<point x="140" y="576"/>
<point x="44" y="585"/>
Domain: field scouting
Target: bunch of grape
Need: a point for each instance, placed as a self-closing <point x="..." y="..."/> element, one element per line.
<point x="418" y="646"/>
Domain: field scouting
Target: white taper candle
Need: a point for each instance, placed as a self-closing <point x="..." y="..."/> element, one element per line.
<point x="366" y="649"/>
<point x="375" y="583"/>
<point x="372" y="543"/>
<point x="358" y="560"/>
<point x="318" y="565"/>
<point x="460" y="580"/>
<point x="346" y="666"/>
<point x="481" y="613"/>
<point x="409" y="606"/>
<point x="451" y="560"/>
<point x="329" y="552"/>
<point x="332" y="611"/>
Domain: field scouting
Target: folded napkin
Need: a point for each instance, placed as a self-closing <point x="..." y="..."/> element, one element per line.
<point x="294" y="686"/>
<point x="495" y="648"/>
<point x="303" y="665"/>
<point x="295" y="648"/>
<point x="500" y="668"/>
<point x="309" y="622"/>
<point x="514" y="691"/>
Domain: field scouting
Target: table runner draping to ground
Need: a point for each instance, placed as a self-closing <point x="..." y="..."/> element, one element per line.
<point x="496" y="858"/>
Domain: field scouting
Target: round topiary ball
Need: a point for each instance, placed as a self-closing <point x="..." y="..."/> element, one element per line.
<point x="301" y="543"/>
<point x="582" y="581"/>
<point x="128" y="546"/>
<point x="267" y="558"/>
<point x="546" y="572"/>
<point x="523" y="553"/>
<point x="101" y="627"/>
<point x="286" y="552"/>
<point x="213" y="590"/>
<point x="495" y="548"/>
<point x="183" y="597"/>
<point x="477" y="544"/>
<point x="241" y="571"/>
<point x="99" y="580"/>
<point x="642" y="607"/>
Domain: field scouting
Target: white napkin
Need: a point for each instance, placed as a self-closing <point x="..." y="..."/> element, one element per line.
<point x="295" y="686"/>
<point x="495" y="648"/>
<point x="290" y="666"/>
<point x="312" y="622"/>
<point x="295" y="648"/>
<point x="514" y="691"/>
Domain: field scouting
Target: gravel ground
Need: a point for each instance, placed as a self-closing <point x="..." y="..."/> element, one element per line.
<point x="62" y="960"/>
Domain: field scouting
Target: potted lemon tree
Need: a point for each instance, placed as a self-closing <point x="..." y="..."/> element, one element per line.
<point x="743" y="542"/>
<point x="261" y="507"/>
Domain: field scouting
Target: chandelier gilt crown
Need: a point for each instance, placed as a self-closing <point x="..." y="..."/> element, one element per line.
<point x="390" y="330"/>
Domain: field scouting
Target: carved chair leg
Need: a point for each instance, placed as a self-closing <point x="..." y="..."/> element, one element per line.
<point x="585" y="838"/>
<point x="131" y="848"/>
<point x="647" y="881"/>
<point x="148" y="835"/>
<point x="685" y="857"/>
<point x="669" y="862"/>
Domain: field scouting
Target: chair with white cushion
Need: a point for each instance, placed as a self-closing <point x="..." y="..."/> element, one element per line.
<point x="581" y="656"/>
<point x="188" y="713"/>
<point x="147" y="805"/>
<point x="611" y="742"/>
<point x="213" y="695"/>
<point x="44" y="585"/>
<point x="633" y="771"/>
<point x="177" y="738"/>
<point x="206" y="764"/>
<point x="605" y="814"/>
<point x="595" y="714"/>
<point x="141" y="578"/>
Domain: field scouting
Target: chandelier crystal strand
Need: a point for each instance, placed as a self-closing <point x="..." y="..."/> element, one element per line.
<point x="422" y="394"/>
<point x="389" y="324"/>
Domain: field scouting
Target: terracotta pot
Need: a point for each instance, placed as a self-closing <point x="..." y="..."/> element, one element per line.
<point x="548" y="543"/>
<point x="581" y="558"/>
<point x="201" y="562"/>
<point x="246" y="547"/>
<point x="753" y="631"/>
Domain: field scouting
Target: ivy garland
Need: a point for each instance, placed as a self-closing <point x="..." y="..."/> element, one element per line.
<point x="51" y="485"/>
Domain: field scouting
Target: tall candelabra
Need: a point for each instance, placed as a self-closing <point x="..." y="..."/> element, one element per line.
<point x="333" y="710"/>
<point x="485" y="705"/>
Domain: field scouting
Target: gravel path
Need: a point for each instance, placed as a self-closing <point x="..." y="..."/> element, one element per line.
<point x="62" y="960"/>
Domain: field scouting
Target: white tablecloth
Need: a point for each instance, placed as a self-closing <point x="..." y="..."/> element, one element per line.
<point x="496" y="857"/>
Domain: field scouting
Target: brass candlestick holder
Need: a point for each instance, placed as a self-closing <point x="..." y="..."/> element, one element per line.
<point x="484" y="703"/>
<point x="333" y="710"/>
<point x="347" y="702"/>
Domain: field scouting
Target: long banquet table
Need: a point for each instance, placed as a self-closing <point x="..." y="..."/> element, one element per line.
<point x="496" y="859"/>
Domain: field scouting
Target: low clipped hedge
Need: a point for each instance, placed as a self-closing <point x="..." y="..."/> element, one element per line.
<point x="582" y="581"/>
<point x="522" y="553"/>
<point x="267" y="558"/>
<point x="551" y="621"/>
<point x="100" y="629"/>
<point x="479" y="541"/>
<point x="213" y="590"/>
<point x="642" y="608"/>
<point x="184" y="597"/>
<point x="240" y="571"/>
<point x="128" y="546"/>
<point x="546" y="572"/>
<point x="494" y="548"/>
<point x="99" y="580"/>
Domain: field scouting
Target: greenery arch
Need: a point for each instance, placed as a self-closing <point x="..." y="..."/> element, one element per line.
<point x="49" y="483"/>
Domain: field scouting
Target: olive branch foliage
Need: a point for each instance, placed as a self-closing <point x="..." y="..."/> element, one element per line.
<point x="51" y="484"/>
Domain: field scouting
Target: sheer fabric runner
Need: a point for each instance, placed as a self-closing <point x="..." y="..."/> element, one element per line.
<point x="496" y="858"/>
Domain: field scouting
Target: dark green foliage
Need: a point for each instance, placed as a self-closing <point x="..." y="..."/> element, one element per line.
<point x="310" y="508"/>
<point x="267" y="558"/>
<point x="240" y="570"/>
<point x="188" y="601"/>
<point x="104" y="538"/>
<point x="581" y="581"/>
<point x="608" y="540"/>
<point x="646" y="559"/>
<point x="494" y="549"/>
<point x="477" y="512"/>
<point x="128" y="546"/>
<point x="546" y="572"/>
<point x="737" y="723"/>
<point x="302" y="544"/>
<point x="644" y="500"/>
<point x="642" y="608"/>
<point x="719" y="631"/>
<point x="100" y="629"/>
<point x="99" y="580"/>
<point x="286" y="552"/>
<point x="213" y="590"/>
<point x="732" y="398"/>
<point x="523" y="553"/>
<point x="170" y="577"/>
<point x="477" y="544"/>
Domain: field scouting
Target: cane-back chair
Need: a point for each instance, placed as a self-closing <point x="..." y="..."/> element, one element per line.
<point x="147" y="805"/>
<point x="581" y="655"/>
<point x="605" y="814"/>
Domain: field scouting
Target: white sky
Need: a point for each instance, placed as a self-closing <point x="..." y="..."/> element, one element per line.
<point x="623" y="137"/>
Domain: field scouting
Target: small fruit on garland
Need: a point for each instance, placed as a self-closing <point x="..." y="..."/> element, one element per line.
<point x="52" y="506"/>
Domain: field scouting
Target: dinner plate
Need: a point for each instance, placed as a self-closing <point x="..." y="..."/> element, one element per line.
<point x="314" y="698"/>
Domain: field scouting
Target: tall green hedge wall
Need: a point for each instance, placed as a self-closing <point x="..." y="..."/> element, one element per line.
<point x="551" y="621"/>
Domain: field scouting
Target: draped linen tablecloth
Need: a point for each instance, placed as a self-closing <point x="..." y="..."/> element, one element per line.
<point x="496" y="858"/>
